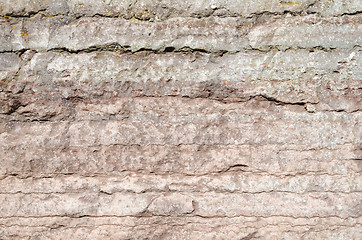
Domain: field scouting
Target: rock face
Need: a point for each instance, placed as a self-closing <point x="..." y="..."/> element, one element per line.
<point x="165" y="119"/>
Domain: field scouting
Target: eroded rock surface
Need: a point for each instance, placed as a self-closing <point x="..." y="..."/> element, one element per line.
<point x="223" y="119"/>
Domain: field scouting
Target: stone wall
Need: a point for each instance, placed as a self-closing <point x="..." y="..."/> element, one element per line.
<point x="168" y="119"/>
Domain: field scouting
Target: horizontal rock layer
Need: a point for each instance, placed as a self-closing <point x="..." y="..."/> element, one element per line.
<point x="183" y="158"/>
<point x="182" y="227"/>
<point x="212" y="34"/>
<point x="330" y="81"/>
<point x="180" y="120"/>
<point x="163" y="9"/>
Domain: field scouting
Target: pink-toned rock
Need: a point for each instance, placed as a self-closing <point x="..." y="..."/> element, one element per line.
<point x="180" y="119"/>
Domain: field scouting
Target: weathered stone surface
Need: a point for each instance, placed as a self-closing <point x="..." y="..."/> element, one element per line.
<point x="208" y="34"/>
<point x="180" y="119"/>
<point x="176" y="204"/>
<point x="330" y="81"/>
<point x="231" y="181"/>
<point x="169" y="159"/>
<point x="160" y="10"/>
<point x="229" y="126"/>
<point x="182" y="228"/>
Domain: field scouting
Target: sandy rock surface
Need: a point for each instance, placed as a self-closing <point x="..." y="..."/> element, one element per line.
<point x="165" y="119"/>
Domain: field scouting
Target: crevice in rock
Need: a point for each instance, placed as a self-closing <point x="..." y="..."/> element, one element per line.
<point x="249" y="236"/>
<point x="132" y="13"/>
<point x="126" y="49"/>
<point x="234" y="168"/>
<point x="351" y="13"/>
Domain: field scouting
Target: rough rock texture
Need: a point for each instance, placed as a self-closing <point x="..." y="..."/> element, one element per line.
<point x="165" y="119"/>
